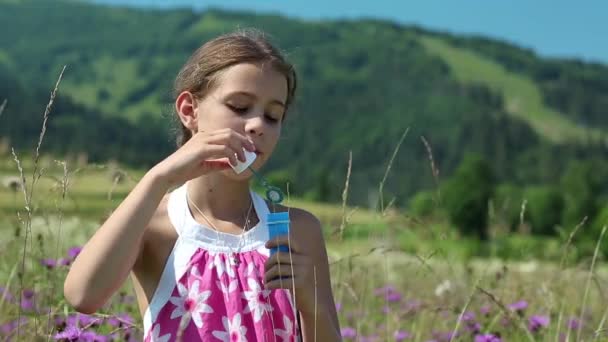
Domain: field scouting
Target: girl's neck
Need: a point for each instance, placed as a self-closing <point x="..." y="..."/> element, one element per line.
<point x="220" y="197"/>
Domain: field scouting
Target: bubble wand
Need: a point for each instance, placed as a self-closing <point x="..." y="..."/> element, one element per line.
<point x="278" y="223"/>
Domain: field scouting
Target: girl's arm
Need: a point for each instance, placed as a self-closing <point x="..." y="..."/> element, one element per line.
<point x="306" y="267"/>
<point x="323" y="324"/>
<point x="107" y="258"/>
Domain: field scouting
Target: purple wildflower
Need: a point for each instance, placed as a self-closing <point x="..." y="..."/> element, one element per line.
<point x="473" y="327"/>
<point x="401" y="335"/>
<point x="468" y="316"/>
<point x="126" y="319"/>
<point x="69" y="333"/>
<point x="384" y="290"/>
<point x="487" y="338"/>
<point x="389" y="293"/>
<point x="371" y="338"/>
<point x="49" y="263"/>
<point x="9" y="327"/>
<point x="64" y="261"/>
<point x="114" y="321"/>
<point x="83" y="320"/>
<point x="338" y="307"/>
<point x="412" y="306"/>
<point x="348" y="332"/>
<point x="60" y="322"/>
<point x="393" y="297"/>
<point x="73" y="252"/>
<point x="92" y="337"/>
<point x="573" y="323"/>
<point x="27" y="299"/>
<point x="485" y="310"/>
<point x="536" y="322"/>
<point x="519" y="306"/>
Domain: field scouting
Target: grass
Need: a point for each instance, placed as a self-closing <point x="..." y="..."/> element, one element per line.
<point x="403" y="277"/>
<point x="523" y="98"/>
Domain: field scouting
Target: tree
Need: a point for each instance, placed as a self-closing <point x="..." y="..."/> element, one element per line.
<point x="545" y="206"/>
<point x="467" y="193"/>
<point x="579" y="197"/>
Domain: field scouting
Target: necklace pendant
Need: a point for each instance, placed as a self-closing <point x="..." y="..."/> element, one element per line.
<point x="235" y="260"/>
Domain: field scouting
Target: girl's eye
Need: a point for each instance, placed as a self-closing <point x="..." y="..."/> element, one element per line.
<point x="238" y="109"/>
<point x="271" y="119"/>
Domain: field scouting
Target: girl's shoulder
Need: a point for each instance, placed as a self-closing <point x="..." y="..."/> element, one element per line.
<point x="303" y="224"/>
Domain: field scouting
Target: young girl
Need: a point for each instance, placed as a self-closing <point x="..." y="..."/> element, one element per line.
<point x="199" y="255"/>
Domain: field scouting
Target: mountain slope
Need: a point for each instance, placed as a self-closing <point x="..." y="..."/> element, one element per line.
<point x="362" y="84"/>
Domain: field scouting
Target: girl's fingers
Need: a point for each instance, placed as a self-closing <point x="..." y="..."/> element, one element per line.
<point x="280" y="283"/>
<point x="278" y="270"/>
<point x="234" y="139"/>
<point x="236" y="149"/>
<point x="284" y="240"/>
<point x="285" y="258"/>
<point x="220" y="152"/>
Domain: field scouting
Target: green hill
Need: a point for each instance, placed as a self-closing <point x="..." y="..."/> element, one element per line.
<point x="362" y="84"/>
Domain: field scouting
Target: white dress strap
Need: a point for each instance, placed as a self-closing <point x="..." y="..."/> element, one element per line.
<point x="177" y="209"/>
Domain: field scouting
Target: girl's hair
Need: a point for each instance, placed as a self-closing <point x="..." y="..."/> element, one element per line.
<point x="202" y="69"/>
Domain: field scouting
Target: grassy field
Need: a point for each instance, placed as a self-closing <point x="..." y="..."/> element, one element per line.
<point x="395" y="278"/>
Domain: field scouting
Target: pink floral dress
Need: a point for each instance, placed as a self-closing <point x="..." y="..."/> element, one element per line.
<point x="211" y="287"/>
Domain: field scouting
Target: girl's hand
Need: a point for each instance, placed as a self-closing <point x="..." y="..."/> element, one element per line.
<point x="205" y="152"/>
<point x="289" y="270"/>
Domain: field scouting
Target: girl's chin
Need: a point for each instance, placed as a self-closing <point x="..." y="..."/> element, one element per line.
<point x="229" y="173"/>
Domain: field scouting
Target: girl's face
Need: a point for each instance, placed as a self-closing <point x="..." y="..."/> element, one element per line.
<point x="250" y="99"/>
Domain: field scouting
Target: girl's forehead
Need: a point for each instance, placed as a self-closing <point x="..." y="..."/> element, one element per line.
<point x="261" y="80"/>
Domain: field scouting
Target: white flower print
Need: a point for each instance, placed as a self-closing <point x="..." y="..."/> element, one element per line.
<point x="221" y="266"/>
<point x="234" y="331"/>
<point x="226" y="290"/>
<point x="286" y="334"/>
<point x="191" y="301"/>
<point x="256" y="300"/>
<point x="252" y="270"/>
<point x="155" y="335"/>
<point x="195" y="272"/>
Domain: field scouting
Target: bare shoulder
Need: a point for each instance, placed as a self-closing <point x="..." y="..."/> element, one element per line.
<point x="305" y="225"/>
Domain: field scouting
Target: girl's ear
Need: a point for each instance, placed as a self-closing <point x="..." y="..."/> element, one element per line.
<point x="185" y="107"/>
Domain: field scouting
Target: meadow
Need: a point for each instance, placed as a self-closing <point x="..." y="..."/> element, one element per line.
<point x="395" y="277"/>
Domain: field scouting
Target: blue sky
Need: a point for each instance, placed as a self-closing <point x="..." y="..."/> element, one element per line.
<point x="560" y="28"/>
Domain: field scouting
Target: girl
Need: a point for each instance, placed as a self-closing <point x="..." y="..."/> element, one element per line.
<point x="199" y="255"/>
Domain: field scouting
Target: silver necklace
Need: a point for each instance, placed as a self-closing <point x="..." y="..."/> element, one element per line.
<point x="233" y="254"/>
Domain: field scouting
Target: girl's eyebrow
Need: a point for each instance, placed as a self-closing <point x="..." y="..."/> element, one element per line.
<point x="251" y="95"/>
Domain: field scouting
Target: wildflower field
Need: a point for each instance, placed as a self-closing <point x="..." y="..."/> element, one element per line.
<point x="395" y="278"/>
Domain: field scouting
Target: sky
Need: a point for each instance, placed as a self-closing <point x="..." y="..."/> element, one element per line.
<point x="552" y="28"/>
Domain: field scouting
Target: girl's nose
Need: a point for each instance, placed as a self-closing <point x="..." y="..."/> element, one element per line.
<point x="255" y="125"/>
